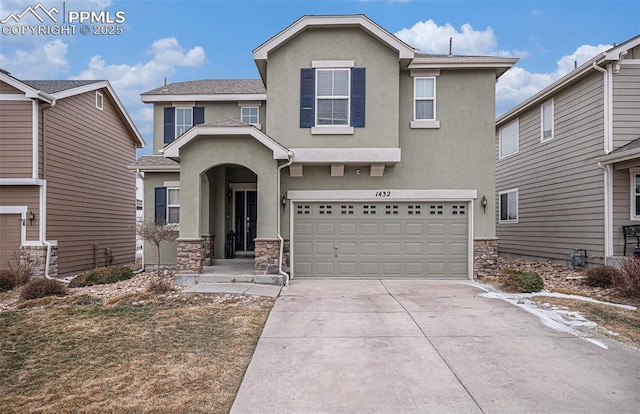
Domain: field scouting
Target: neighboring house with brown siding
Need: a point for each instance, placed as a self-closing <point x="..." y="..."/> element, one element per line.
<point x="568" y="163"/>
<point x="67" y="198"/>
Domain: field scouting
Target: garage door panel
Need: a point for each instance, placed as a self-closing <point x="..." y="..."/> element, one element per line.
<point x="390" y="239"/>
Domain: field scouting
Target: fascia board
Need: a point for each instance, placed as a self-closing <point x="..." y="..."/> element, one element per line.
<point x="363" y="156"/>
<point x="202" y="98"/>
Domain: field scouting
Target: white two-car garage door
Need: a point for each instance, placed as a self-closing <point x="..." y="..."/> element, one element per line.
<point x="381" y="239"/>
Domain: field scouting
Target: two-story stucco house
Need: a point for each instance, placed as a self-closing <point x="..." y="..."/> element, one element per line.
<point x="67" y="199"/>
<point x="568" y="163"/>
<point x="353" y="155"/>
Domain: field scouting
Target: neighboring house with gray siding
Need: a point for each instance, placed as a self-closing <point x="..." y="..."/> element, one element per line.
<point x="353" y="155"/>
<point x="67" y="198"/>
<point x="568" y="164"/>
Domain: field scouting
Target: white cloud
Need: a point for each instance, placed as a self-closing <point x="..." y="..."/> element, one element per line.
<point x="518" y="84"/>
<point x="168" y="51"/>
<point x="30" y="65"/>
<point x="429" y="37"/>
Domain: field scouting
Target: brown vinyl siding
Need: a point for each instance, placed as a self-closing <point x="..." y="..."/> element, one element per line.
<point x="91" y="194"/>
<point x="9" y="90"/>
<point x="16" y="139"/>
<point x="626" y="105"/>
<point x="24" y="195"/>
<point x="560" y="186"/>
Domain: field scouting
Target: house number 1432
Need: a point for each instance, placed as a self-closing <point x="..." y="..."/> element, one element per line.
<point x="383" y="193"/>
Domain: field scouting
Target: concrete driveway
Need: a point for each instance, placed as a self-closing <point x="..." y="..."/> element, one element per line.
<point x="348" y="346"/>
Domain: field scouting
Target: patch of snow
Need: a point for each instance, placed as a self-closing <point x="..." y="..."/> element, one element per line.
<point x="559" y="320"/>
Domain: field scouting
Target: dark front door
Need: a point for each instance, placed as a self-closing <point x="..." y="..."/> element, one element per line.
<point x="246" y="213"/>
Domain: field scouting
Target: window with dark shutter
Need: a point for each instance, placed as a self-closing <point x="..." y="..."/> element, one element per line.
<point x="357" y="97"/>
<point x="169" y="125"/>
<point x="307" y="97"/>
<point x="160" y="205"/>
<point x="198" y="115"/>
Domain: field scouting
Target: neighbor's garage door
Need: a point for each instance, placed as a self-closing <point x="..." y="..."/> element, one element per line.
<point x="9" y="238"/>
<point x="381" y="239"/>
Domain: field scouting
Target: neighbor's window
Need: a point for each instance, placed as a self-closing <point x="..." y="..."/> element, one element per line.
<point x="546" y="114"/>
<point x="99" y="101"/>
<point x="509" y="206"/>
<point x="249" y="114"/>
<point x="332" y="96"/>
<point x="184" y="120"/>
<point x="509" y="139"/>
<point x="424" y="91"/>
<point x="173" y="205"/>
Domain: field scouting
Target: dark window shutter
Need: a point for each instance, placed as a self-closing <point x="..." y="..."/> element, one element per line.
<point x="357" y="97"/>
<point x="307" y="98"/>
<point x="161" y="205"/>
<point x="198" y="115"/>
<point x="169" y="125"/>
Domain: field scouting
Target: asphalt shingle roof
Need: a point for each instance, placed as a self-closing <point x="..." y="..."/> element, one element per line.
<point x="211" y="87"/>
<point x="54" y="86"/>
<point x="154" y="161"/>
<point x="631" y="145"/>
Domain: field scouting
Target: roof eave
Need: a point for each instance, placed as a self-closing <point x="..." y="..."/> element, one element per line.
<point x="156" y="98"/>
<point x="619" y="157"/>
<point x="500" y="65"/>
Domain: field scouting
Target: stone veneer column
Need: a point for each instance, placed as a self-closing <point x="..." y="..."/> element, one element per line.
<point x="38" y="255"/>
<point x="208" y="245"/>
<point x="267" y="256"/>
<point x="190" y="255"/>
<point x="485" y="257"/>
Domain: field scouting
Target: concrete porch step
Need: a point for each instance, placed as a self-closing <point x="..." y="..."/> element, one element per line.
<point x="203" y="278"/>
<point x="240" y="261"/>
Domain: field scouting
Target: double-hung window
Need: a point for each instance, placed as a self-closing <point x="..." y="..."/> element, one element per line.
<point x="424" y="95"/>
<point x="249" y="114"/>
<point x="167" y="203"/>
<point x="173" y="205"/>
<point x="184" y="120"/>
<point x="509" y="206"/>
<point x="509" y="139"/>
<point x="546" y="124"/>
<point x="332" y="96"/>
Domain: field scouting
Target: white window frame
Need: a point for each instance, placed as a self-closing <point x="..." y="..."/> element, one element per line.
<point x="183" y="108"/>
<point x="256" y="107"/>
<point x="169" y="206"/>
<point x="542" y="137"/>
<point x="333" y="97"/>
<point x="509" y="221"/>
<point x="633" y="172"/>
<point x="416" y="99"/>
<point x="517" y="126"/>
<point x="99" y="101"/>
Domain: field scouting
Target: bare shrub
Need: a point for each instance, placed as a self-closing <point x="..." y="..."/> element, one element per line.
<point x="160" y="286"/>
<point x="600" y="276"/>
<point x="22" y="268"/>
<point x="627" y="280"/>
<point x="156" y="234"/>
<point x="41" y="287"/>
<point x="8" y="280"/>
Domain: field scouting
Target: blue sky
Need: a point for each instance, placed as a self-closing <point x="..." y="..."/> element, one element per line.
<point x="187" y="40"/>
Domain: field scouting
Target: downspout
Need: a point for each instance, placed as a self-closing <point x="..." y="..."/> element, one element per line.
<point x="138" y="173"/>
<point x="284" y="274"/>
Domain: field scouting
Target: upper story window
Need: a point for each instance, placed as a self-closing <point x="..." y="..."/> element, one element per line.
<point x="546" y="124"/>
<point x="332" y="97"/>
<point x="509" y="206"/>
<point x="424" y="95"/>
<point x="99" y="101"/>
<point x="178" y="120"/>
<point x="509" y="139"/>
<point x="184" y="120"/>
<point x="249" y="114"/>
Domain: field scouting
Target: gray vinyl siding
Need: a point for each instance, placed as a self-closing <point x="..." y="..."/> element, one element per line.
<point x="27" y="195"/>
<point x="91" y="194"/>
<point x="16" y="139"/>
<point x="626" y="105"/>
<point x="560" y="186"/>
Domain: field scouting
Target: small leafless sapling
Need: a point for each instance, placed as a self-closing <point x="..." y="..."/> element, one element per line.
<point x="156" y="234"/>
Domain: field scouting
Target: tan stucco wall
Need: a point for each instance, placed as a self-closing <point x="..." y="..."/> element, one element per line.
<point x="167" y="250"/>
<point x="283" y="88"/>
<point x="205" y="152"/>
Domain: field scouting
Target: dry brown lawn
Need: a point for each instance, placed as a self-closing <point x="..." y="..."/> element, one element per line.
<point x="621" y="324"/>
<point x="134" y="354"/>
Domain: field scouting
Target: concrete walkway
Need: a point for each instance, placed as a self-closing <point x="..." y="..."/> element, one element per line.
<point x="333" y="346"/>
<point x="246" y="289"/>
